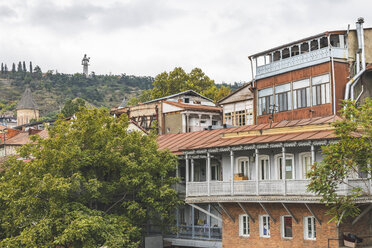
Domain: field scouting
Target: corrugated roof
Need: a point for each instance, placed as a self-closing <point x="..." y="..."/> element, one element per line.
<point x="194" y="106"/>
<point x="24" y="138"/>
<point x="306" y="129"/>
<point x="27" y="101"/>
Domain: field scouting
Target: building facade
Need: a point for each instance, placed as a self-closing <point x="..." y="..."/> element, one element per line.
<point x="186" y="111"/>
<point x="27" y="109"/>
<point x="250" y="180"/>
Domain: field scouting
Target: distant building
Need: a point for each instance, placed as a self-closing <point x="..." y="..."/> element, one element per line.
<point x="238" y="107"/>
<point x="183" y="112"/>
<point x="27" y="109"/>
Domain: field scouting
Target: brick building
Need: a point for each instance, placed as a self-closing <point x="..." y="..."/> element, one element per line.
<point x="248" y="183"/>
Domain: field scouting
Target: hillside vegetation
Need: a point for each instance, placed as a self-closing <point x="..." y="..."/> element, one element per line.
<point x="52" y="90"/>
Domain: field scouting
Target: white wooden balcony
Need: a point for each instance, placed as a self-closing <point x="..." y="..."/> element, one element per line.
<point x="290" y="187"/>
<point x="300" y="61"/>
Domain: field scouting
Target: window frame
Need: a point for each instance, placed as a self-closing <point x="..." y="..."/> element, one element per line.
<point x="317" y="89"/>
<point x="241" y="226"/>
<point x="306" y="227"/>
<point x="282" y="226"/>
<point x="301" y="156"/>
<point x="260" y="158"/>
<point x="261" y="226"/>
<point x="277" y="158"/>
<point x="269" y="100"/>
<point x="283" y="92"/>
<point x="237" y="168"/>
<point x="306" y="89"/>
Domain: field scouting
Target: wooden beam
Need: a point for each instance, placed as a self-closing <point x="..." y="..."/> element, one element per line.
<point x="315" y="216"/>
<point x="205" y="211"/>
<point x="267" y="212"/>
<point x="226" y="212"/>
<point x="246" y="211"/>
<point x="362" y="214"/>
<point x="290" y="212"/>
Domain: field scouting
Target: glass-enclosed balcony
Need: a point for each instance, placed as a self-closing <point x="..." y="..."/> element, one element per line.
<point x="299" y="55"/>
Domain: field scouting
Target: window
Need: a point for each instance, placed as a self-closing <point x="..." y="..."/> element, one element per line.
<point x="186" y="100"/>
<point x="265" y="226"/>
<point x="264" y="167"/>
<point x="243" y="166"/>
<point x="240" y="118"/>
<point x="321" y="89"/>
<point x="309" y="228"/>
<point x="215" y="172"/>
<point x="214" y="123"/>
<point x="301" y="94"/>
<point x="244" y="225"/>
<point x="283" y="97"/>
<point x="306" y="162"/>
<point x="288" y="166"/>
<point x="265" y="101"/>
<point x="228" y="119"/>
<point x="287" y="227"/>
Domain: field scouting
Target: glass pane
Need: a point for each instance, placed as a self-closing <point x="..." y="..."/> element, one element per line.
<point x="287" y="227"/>
<point x="327" y="93"/>
<point x="288" y="169"/>
<point x="301" y="84"/>
<point x="282" y="88"/>
<point x="265" y="92"/>
<point x="320" y="79"/>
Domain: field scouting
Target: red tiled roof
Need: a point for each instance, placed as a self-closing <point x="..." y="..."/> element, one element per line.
<point x="176" y="143"/>
<point x="23" y="138"/>
<point x="194" y="106"/>
<point x="2" y="127"/>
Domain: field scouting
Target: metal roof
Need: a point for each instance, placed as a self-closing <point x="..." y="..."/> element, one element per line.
<point x="190" y="92"/>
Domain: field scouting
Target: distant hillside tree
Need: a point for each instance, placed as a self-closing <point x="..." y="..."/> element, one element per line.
<point x="5" y="69"/>
<point x="37" y="72"/>
<point x="30" y="67"/>
<point x="2" y="68"/>
<point x="13" y="68"/>
<point x="24" y="66"/>
<point x="72" y="106"/>
<point x="19" y="68"/>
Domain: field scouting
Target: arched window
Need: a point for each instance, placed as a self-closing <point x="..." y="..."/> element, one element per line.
<point x="305" y="163"/>
<point x="242" y="167"/>
<point x="264" y="167"/>
<point x="289" y="164"/>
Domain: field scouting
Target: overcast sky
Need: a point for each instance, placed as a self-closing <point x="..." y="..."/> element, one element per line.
<point x="147" y="37"/>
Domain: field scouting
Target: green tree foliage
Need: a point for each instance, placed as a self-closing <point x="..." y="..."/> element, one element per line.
<point x="19" y="67"/>
<point x="350" y="156"/>
<point x="72" y="106"/>
<point x="178" y="80"/>
<point x="91" y="184"/>
<point x="13" y="68"/>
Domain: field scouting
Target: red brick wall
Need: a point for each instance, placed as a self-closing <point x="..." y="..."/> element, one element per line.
<point x="341" y="74"/>
<point x="231" y="230"/>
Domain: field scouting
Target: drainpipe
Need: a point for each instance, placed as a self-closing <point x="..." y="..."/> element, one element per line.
<point x="351" y="84"/>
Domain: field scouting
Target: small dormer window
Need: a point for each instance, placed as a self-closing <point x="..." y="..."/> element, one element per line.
<point x="186" y="100"/>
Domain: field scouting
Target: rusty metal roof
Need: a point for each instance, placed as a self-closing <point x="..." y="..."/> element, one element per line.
<point x="284" y="131"/>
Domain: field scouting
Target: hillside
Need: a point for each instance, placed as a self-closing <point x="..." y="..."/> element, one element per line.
<point x="51" y="91"/>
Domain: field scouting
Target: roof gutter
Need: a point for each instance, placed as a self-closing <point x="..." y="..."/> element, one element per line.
<point x="349" y="90"/>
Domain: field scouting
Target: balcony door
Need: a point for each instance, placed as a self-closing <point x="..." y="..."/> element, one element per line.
<point x="264" y="164"/>
<point x="289" y="164"/>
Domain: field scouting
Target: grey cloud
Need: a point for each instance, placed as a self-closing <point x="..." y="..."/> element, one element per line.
<point x="79" y="17"/>
<point x="6" y="12"/>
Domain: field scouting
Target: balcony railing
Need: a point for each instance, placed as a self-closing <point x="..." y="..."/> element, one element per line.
<point x="288" y="187"/>
<point x="300" y="61"/>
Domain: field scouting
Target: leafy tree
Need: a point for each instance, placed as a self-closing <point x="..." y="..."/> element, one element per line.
<point x="91" y="184"/>
<point x="351" y="155"/>
<point x="72" y="106"/>
<point x="178" y="80"/>
<point x="133" y="101"/>
<point x="37" y="72"/>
